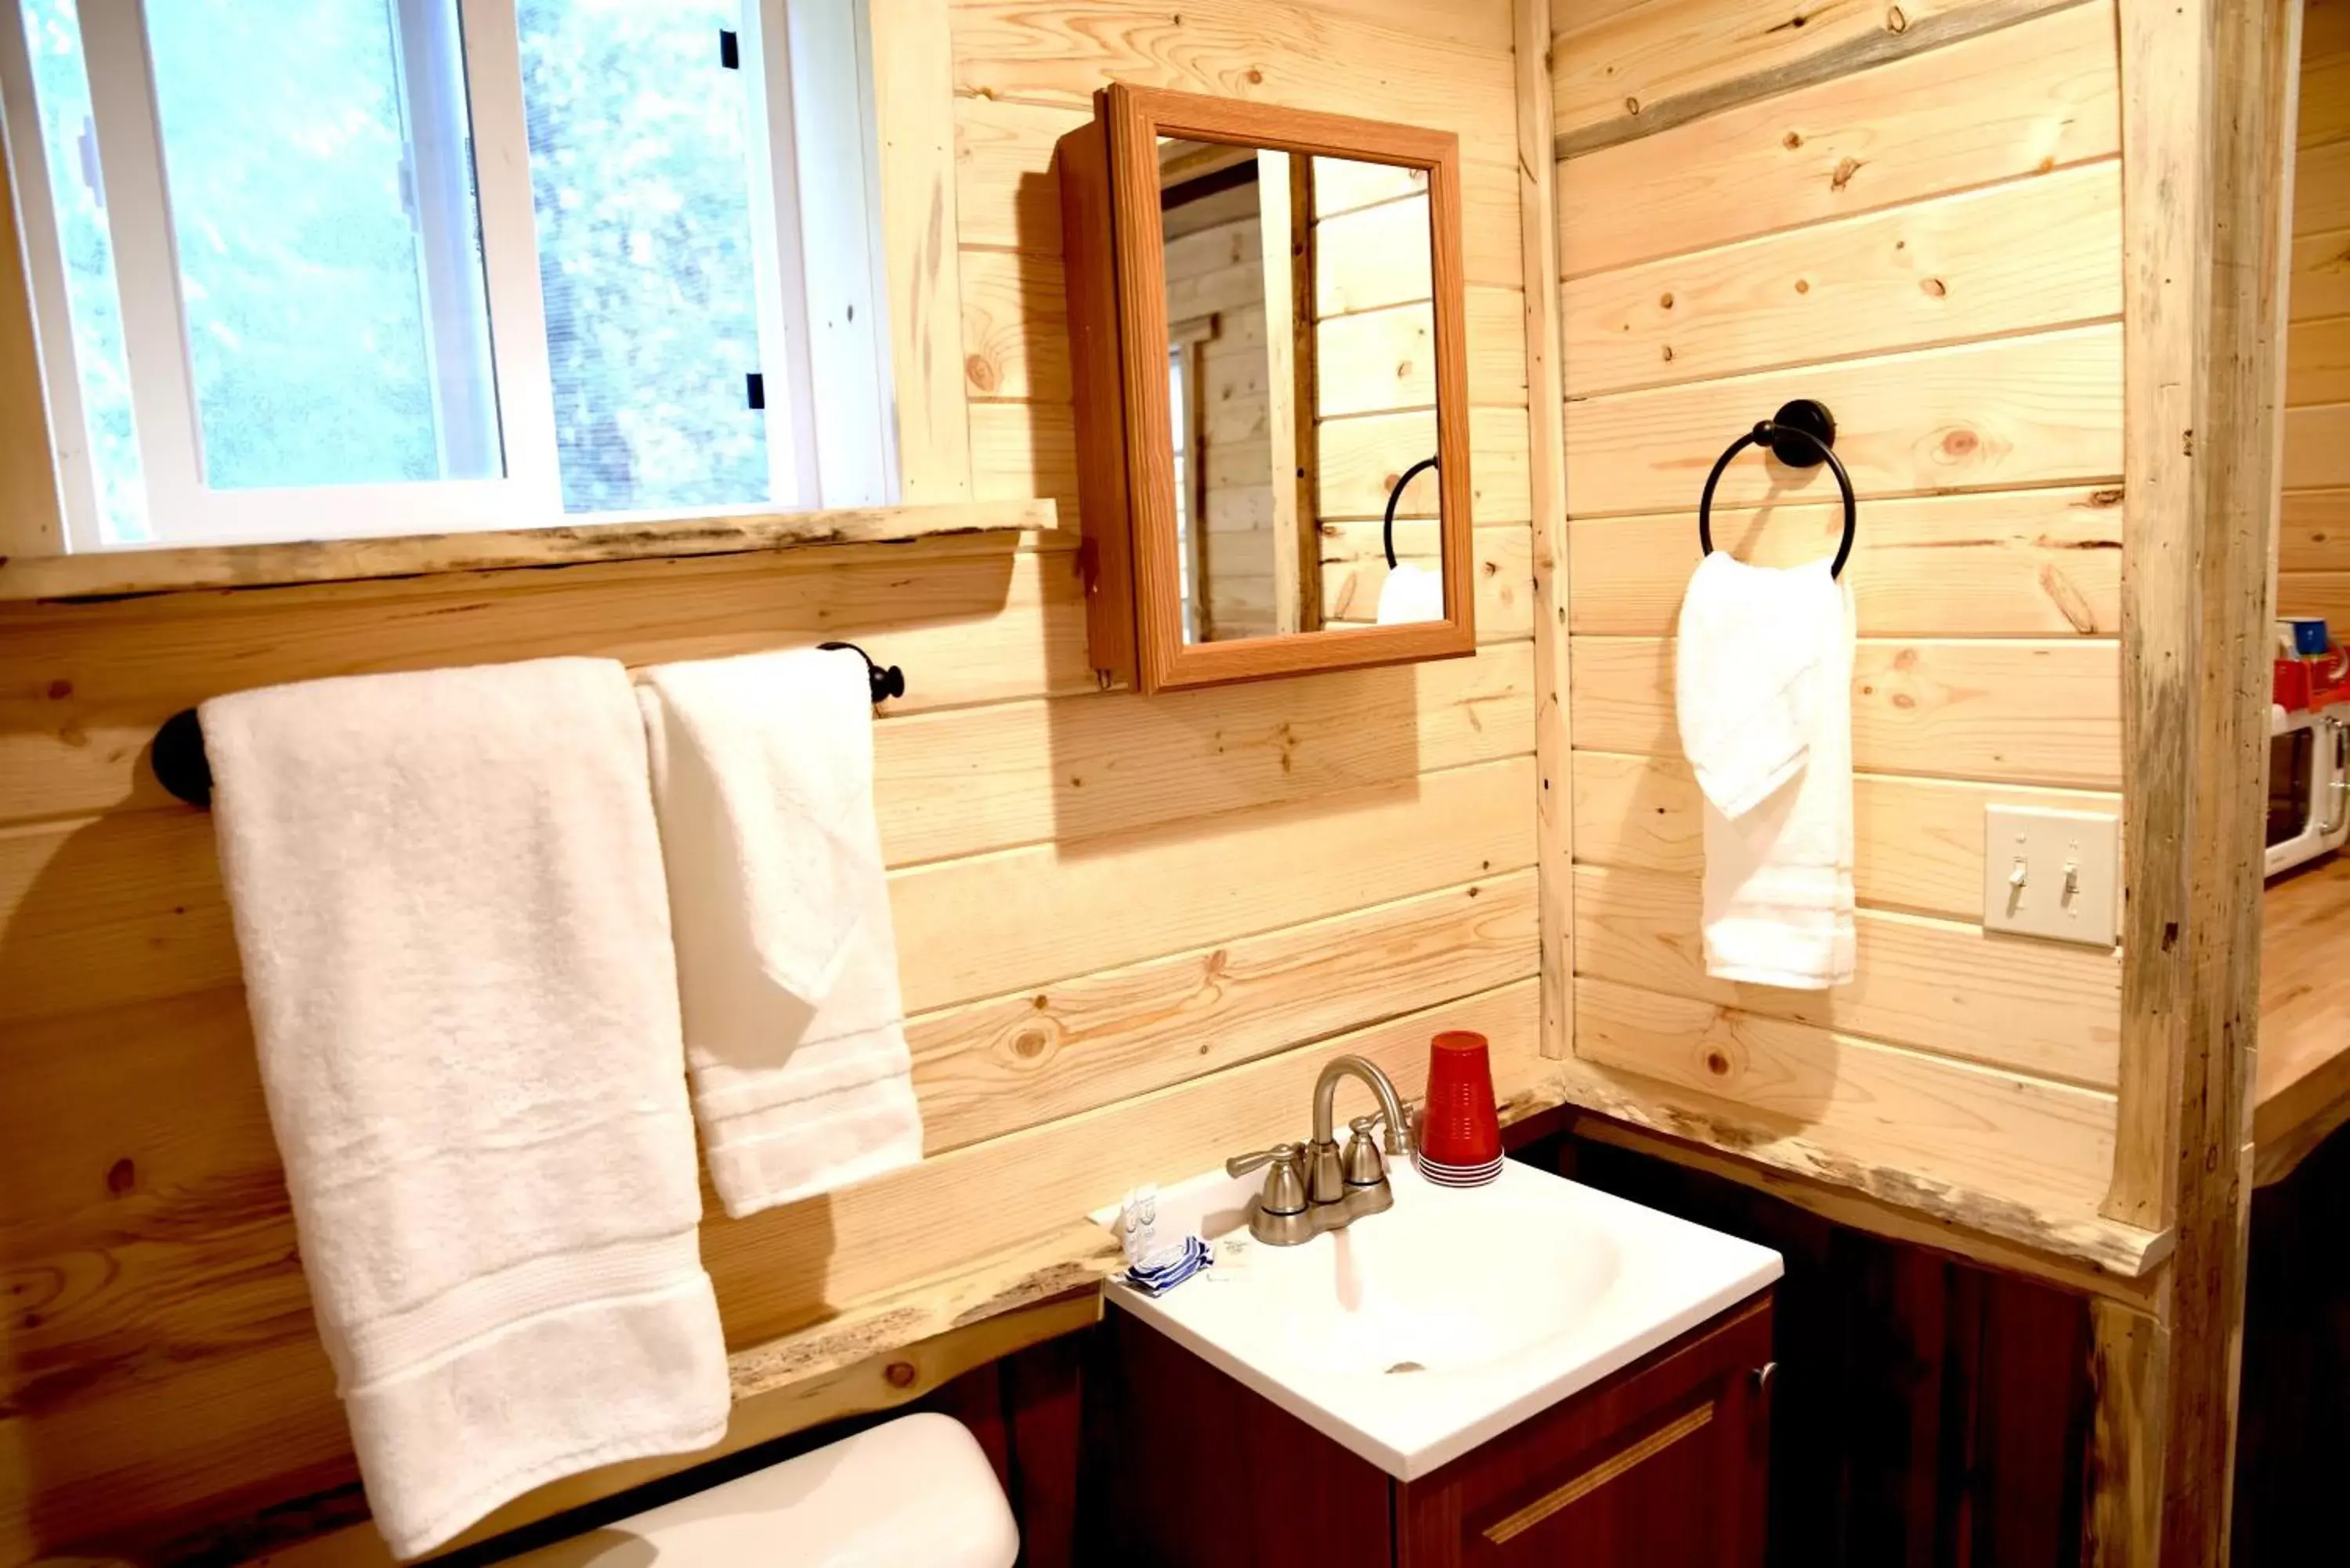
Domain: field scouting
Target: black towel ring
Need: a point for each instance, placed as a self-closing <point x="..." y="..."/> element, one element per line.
<point x="1808" y="429"/>
<point x="186" y="772"/>
<point x="1395" y="495"/>
<point x="887" y="683"/>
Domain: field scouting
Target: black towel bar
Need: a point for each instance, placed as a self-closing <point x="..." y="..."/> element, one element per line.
<point x="182" y="767"/>
<point x="1387" y="531"/>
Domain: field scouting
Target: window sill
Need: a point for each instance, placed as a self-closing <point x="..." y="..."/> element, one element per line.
<point x="124" y="573"/>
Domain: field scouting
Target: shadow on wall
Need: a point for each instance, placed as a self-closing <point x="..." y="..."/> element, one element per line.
<point x="162" y="1389"/>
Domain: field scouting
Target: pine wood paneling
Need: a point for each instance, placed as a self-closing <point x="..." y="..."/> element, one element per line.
<point x="2028" y="254"/>
<point x="1933" y="1121"/>
<point x="1918" y="843"/>
<point x="1644" y="67"/>
<point x="2028" y="713"/>
<point x="2025" y="100"/>
<point x="1362" y="459"/>
<point x="2013" y="563"/>
<point x="1914" y="217"/>
<point x="2040" y="410"/>
<point x="2044" y="1007"/>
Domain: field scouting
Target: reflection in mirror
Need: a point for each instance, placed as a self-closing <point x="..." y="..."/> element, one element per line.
<point x="1301" y="373"/>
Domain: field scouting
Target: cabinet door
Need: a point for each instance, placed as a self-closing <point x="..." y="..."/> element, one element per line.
<point x="1664" y="1465"/>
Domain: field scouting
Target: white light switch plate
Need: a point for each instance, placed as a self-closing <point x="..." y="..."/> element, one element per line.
<point x="2044" y="845"/>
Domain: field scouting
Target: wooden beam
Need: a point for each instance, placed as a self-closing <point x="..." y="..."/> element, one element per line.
<point x="2205" y="130"/>
<point x="914" y="91"/>
<point x="1546" y="466"/>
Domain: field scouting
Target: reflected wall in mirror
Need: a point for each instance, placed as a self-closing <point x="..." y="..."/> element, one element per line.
<point x="1265" y="320"/>
<point x="1282" y="348"/>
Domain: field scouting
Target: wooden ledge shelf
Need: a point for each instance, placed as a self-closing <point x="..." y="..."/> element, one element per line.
<point x="874" y="1355"/>
<point x="2301" y="1075"/>
<point x="2077" y="1251"/>
<point x="112" y="574"/>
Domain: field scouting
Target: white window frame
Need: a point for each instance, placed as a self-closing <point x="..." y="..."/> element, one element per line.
<point x="807" y="73"/>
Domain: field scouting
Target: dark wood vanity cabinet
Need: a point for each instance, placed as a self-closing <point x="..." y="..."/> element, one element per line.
<point x="1663" y="1465"/>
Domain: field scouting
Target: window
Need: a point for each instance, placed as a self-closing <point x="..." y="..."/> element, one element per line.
<point x="307" y="268"/>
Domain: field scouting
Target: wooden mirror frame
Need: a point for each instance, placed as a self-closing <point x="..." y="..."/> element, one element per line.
<point x="1118" y="333"/>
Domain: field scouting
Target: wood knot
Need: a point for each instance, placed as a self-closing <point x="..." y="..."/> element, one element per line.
<point x="1031" y="1043"/>
<point x="1845" y="169"/>
<point x="121" y="1177"/>
<point x="981" y="373"/>
<point x="1934" y="287"/>
<point x="1960" y="443"/>
<point x="61" y="690"/>
<point x="900" y="1374"/>
<point x="1792" y="140"/>
<point x="1895" y="21"/>
<point x="1717" y="1064"/>
<point x="1403" y="369"/>
<point x="1665" y="300"/>
<point x="1803" y="285"/>
<point x="1255" y="76"/>
<point x="1631" y="105"/>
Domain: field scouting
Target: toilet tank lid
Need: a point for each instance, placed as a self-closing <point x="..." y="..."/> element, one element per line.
<point x="915" y="1491"/>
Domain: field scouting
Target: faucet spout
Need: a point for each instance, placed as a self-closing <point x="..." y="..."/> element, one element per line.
<point x="1326" y="1097"/>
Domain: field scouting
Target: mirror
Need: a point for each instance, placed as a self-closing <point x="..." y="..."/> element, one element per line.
<point x="1288" y="356"/>
<point x="1266" y="346"/>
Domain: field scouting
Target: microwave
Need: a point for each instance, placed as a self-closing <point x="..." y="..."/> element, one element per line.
<point x="2309" y="785"/>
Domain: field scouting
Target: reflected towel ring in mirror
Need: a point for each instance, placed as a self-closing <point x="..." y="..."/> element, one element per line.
<point x="1801" y="434"/>
<point x="1387" y="532"/>
<point x="186" y="772"/>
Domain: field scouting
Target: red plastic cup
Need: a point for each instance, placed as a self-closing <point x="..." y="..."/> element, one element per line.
<point x="1461" y="1124"/>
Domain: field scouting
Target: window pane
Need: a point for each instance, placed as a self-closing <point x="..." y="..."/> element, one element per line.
<point x="69" y="148"/>
<point x="329" y="250"/>
<point x="640" y="177"/>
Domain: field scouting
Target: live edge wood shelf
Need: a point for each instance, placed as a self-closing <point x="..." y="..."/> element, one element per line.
<point x="1663" y="1465"/>
<point x="108" y="574"/>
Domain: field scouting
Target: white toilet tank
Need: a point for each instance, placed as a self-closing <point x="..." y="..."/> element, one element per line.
<point x="916" y="1493"/>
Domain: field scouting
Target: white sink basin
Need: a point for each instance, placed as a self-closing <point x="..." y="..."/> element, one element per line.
<point x="1414" y="1335"/>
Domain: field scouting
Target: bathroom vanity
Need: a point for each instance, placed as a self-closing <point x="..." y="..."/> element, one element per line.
<point x="1532" y="1372"/>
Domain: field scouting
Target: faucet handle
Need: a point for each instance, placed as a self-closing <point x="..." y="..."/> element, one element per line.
<point x="1241" y="1164"/>
<point x="1285" y="1187"/>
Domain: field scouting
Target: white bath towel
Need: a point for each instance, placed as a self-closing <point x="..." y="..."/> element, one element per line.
<point x="1411" y="593"/>
<point x="787" y="961"/>
<point x="1763" y="677"/>
<point x="448" y="896"/>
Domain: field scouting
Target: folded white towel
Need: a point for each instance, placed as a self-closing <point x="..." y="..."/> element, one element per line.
<point x="448" y="894"/>
<point x="788" y="960"/>
<point x="1411" y="593"/>
<point x="1762" y="675"/>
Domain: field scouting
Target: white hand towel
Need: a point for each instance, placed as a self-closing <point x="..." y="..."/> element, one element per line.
<point x="1411" y="593"/>
<point x="448" y="896"/>
<point x="787" y="961"/>
<point x="1763" y="677"/>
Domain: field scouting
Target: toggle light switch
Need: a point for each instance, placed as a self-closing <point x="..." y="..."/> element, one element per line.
<point x="2053" y="873"/>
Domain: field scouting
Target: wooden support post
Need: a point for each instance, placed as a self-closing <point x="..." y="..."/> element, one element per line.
<point x="2205" y="96"/>
<point x="1547" y="474"/>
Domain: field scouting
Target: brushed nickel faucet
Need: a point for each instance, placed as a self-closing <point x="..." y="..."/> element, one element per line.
<point x="1313" y="1186"/>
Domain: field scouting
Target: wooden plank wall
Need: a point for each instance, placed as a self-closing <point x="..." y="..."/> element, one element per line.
<point x="2313" y="539"/>
<point x="1919" y="225"/>
<point x="1130" y="930"/>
